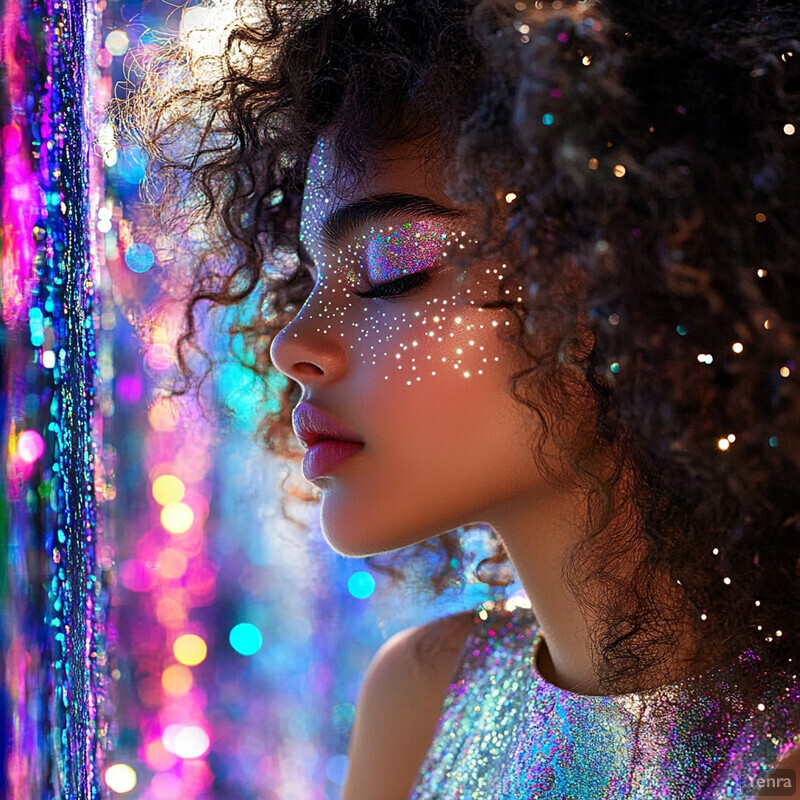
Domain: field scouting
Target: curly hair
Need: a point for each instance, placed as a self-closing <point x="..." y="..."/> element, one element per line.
<point x="645" y="152"/>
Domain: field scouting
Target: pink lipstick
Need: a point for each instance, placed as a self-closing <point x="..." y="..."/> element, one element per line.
<point x="329" y="443"/>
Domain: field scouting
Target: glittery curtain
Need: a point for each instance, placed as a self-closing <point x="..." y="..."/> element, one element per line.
<point x="54" y="602"/>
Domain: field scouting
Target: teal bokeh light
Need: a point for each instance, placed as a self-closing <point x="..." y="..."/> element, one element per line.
<point x="361" y="584"/>
<point x="246" y="639"/>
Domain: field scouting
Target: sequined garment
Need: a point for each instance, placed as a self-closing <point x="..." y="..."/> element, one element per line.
<point x="505" y="733"/>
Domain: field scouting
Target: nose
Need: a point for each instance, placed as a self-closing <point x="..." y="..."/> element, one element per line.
<point x="310" y="348"/>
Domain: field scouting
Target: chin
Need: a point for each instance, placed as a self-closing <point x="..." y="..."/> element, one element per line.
<point x="357" y="536"/>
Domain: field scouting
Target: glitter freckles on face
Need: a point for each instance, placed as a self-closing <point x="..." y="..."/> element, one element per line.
<point x="442" y="333"/>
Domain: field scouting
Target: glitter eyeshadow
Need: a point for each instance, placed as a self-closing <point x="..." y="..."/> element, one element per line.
<point x="385" y="254"/>
<point x="408" y="248"/>
<point x="506" y="732"/>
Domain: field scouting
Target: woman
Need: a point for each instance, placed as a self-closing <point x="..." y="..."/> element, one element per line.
<point x="532" y="265"/>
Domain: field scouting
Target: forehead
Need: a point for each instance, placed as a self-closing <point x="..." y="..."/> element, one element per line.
<point x="407" y="168"/>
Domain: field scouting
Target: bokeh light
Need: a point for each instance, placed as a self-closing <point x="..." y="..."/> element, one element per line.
<point x="157" y="757"/>
<point x="246" y="639"/>
<point x="177" y="680"/>
<point x="190" y="649"/>
<point x="120" y="778"/>
<point x="186" y="741"/>
<point x="30" y="446"/>
<point x="139" y="257"/>
<point x="117" y="43"/>
<point x="172" y="563"/>
<point x="162" y="416"/>
<point x="135" y="575"/>
<point x="168" y="489"/>
<point x="361" y="584"/>
<point x="336" y="768"/>
<point x="177" y="518"/>
<point x="171" y="612"/>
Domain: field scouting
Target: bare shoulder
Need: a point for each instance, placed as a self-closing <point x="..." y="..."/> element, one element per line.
<point x="399" y="705"/>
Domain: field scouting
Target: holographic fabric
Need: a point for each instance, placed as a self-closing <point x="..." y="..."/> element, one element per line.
<point x="505" y="732"/>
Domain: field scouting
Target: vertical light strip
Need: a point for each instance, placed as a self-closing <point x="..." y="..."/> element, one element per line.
<point x="53" y="600"/>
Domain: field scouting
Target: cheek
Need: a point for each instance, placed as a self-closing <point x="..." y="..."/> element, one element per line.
<point x="439" y="337"/>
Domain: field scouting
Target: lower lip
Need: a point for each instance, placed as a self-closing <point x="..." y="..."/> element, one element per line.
<point x="321" y="458"/>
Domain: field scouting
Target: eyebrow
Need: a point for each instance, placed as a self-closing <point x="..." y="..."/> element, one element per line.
<point x="345" y="220"/>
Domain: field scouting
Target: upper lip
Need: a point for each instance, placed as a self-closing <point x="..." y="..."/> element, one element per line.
<point x="312" y="425"/>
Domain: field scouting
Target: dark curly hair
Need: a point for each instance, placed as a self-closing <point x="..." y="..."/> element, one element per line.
<point x="646" y="154"/>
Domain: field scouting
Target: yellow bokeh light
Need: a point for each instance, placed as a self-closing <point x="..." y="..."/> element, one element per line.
<point x="619" y="171"/>
<point x="737" y="347"/>
<point x="789" y="129"/>
<point x="190" y="649"/>
<point x="177" y="517"/>
<point x="168" y="489"/>
<point x="723" y="444"/>
<point x="785" y="372"/>
<point x="120" y="778"/>
<point x="177" y="680"/>
<point x="511" y="197"/>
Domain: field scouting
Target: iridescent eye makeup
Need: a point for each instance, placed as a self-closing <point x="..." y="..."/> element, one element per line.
<point x="407" y="248"/>
<point x="383" y="255"/>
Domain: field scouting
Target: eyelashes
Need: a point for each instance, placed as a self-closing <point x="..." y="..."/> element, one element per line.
<point x="402" y="285"/>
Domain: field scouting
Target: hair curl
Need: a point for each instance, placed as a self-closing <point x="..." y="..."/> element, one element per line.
<point x="656" y="222"/>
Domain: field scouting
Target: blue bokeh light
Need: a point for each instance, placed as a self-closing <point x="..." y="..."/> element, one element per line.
<point x="139" y="257"/>
<point x="336" y="769"/>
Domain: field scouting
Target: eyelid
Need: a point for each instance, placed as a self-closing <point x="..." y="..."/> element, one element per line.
<point x="420" y="279"/>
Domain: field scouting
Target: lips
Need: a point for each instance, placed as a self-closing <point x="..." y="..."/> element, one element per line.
<point x="328" y="442"/>
<point x="311" y="426"/>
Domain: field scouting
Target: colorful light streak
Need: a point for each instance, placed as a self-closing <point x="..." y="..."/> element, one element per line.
<point x="55" y="640"/>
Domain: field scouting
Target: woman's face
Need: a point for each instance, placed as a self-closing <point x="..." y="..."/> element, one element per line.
<point x="420" y="376"/>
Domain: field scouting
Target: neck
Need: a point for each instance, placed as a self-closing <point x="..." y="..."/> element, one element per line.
<point x="538" y="533"/>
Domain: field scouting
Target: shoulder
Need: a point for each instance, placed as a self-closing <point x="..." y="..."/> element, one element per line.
<point x="399" y="705"/>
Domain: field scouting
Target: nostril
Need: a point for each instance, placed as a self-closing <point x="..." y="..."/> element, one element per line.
<point x="305" y="369"/>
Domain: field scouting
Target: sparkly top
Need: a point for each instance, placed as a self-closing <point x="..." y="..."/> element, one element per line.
<point x="505" y="733"/>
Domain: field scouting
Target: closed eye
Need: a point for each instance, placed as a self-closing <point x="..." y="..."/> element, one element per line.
<point x="405" y="284"/>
